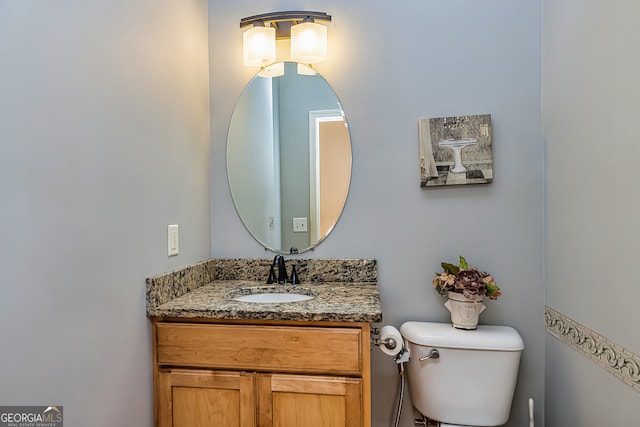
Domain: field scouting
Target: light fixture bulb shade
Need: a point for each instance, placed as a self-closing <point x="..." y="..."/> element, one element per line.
<point x="308" y="42"/>
<point x="259" y="46"/>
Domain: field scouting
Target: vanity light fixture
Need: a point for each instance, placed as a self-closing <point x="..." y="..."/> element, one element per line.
<point x="308" y="42"/>
<point x="308" y="38"/>
<point x="259" y="45"/>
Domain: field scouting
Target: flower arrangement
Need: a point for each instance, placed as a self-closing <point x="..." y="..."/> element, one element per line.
<point x="469" y="282"/>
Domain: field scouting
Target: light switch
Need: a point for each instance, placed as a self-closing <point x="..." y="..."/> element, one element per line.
<point x="172" y="240"/>
<point x="299" y="225"/>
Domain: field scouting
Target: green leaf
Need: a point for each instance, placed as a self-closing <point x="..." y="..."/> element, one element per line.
<point x="450" y="268"/>
<point x="492" y="288"/>
<point x="463" y="263"/>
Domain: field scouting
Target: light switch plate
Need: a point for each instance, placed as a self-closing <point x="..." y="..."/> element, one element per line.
<point x="299" y="225"/>
<point x="172" y="240"/>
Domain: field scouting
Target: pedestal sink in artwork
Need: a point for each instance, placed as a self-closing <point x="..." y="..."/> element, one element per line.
<point x="456" y="145"/>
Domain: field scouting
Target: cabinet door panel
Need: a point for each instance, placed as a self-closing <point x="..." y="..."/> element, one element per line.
<point x="200" y="407"/>
<point x="206" y="398"/>
<point x="299" y="400"/>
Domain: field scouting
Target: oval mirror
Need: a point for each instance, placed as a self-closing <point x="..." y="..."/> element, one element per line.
<point x="289" y="157"/>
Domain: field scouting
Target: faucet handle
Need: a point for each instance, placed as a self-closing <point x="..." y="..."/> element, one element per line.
<point x="272" y="276"/>
<point x="294" y="280"/>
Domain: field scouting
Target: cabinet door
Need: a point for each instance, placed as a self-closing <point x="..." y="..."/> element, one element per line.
<point x="306" y="400"/>
<point x="202" y="398"/>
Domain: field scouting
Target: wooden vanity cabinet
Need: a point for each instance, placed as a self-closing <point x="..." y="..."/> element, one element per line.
<point x="267" y="374"/>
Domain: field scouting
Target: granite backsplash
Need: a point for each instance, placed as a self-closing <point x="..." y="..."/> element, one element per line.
<point x="166" y="287"/>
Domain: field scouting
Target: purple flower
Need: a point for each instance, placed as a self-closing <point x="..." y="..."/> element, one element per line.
<point x="470" y="283"/>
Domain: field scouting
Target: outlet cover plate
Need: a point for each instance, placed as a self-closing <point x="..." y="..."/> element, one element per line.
<point x="299" y="225"/>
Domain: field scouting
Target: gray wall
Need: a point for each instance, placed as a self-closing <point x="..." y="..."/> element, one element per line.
<point x="591" y="110"/>
<point x="391" y="65"/>
<point x="104" y="140"/>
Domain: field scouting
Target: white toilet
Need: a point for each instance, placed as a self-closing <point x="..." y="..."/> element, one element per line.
<point x="460" y="377"/>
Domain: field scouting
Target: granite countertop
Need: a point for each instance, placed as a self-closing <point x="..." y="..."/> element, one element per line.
<point x="352" y="302"/>
<point x="343" y="290"/>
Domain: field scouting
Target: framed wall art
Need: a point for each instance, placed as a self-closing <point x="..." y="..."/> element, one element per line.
<point x="455" y="150"/>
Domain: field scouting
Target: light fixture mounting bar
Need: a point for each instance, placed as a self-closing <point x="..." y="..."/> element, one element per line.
<point x="284" y="16"/>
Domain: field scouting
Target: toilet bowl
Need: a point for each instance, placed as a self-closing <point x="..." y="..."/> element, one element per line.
<point x="462" y="378"/>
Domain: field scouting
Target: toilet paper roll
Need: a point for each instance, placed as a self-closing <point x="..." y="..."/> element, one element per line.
<point x="393" y="338"/>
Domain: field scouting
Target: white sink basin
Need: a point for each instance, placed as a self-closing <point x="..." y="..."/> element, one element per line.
<point x="272" y="294"/>
<point x="273" y="298"/>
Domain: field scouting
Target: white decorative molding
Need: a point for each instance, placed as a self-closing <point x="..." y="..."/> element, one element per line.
<point x="619" y="361"/>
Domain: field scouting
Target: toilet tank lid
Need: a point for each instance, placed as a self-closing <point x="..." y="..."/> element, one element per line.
<point x="486" y="337"/>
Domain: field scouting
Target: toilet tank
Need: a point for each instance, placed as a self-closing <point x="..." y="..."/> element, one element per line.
<point x="473" y="380"/>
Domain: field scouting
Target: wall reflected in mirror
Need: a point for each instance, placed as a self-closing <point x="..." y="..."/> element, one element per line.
<point x="289" y="156"/>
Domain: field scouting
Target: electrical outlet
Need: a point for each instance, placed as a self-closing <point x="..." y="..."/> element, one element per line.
<point x="299" y="225"/>
<point x="172" y="240"/>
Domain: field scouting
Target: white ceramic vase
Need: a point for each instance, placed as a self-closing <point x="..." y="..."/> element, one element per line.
<point x="464" y="311"/>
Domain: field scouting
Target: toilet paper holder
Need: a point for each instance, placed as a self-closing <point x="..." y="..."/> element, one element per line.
<point x="375" y="339"/>
<point x="389" y="343"/>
